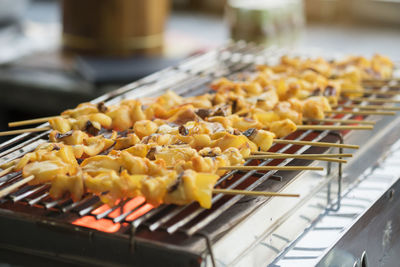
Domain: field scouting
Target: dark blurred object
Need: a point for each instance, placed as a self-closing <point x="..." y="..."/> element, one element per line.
<point x="114" y="27"/>
<point x="267" y="22"/>
<point x="119" y="71"/>
<point x="212" y="6"/>
<point x="12" y="10"/>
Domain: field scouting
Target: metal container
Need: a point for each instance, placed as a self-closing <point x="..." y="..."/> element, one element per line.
<point x="114" y="27"/>
<point x="265" y="22"/>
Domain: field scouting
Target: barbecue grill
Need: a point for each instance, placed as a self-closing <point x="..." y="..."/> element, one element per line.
<point x="237" y="230"/>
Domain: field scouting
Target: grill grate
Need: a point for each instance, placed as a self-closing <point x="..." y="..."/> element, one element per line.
<point x="189" y="78"/>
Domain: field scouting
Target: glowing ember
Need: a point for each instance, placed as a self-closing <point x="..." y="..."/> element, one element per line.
<point x="103" y="225"/>
<point x="107" y="225"/>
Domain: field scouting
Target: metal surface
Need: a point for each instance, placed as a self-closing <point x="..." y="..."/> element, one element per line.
<point x="181" y="235"/>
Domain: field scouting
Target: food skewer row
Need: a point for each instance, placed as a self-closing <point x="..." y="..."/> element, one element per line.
<point x="298" y="127"/>
<point x="126" y="175"/>
<point x="6" y="191"/>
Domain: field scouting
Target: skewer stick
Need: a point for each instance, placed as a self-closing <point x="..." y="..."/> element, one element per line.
<point x="334" y="127"/>
<point x="380" y="80"/>
<point x="252" y="193"/>
<point x="32" y="121"/>
<point x="369" y="85"/>
<point x="371" y="91"/>
<point x="270" y="168"/>
<point x="311" y="143"/>
<point x="303" y="156"/>
<point x="341" y="121"/>
<point x="372" y="107"/>
<point x="376" y="100"/>
<point x="14" y="186"/>
<point x="29" y="130"/>
<point x="6" y="171"/>
<point x="360" y="112"/>
<point x="342" y="155"/>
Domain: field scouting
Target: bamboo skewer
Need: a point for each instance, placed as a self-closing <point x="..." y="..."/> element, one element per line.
<point x="334" y="127"/>
<point x="263" y="157"/>
<point x="372" y="107"/>
<point x="311" y="143"/>
<point x="14" y="186"/>
<point x="341" y="121"/>
<point x="6" y="171"/>
<point x="252" y="193"/>
<point x="381" y="80"/>
<point x="341" y="155"/>
<point x="271" y="168"/>
<point x="360" y="112"/>
<point x="376" y="100"/>
<point x="29" y="130"/>
<point x="371" y="91"/>
<point x="32" y="121"/>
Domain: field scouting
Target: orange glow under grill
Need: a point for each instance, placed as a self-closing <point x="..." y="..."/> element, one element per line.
<point x="107" y="225"/>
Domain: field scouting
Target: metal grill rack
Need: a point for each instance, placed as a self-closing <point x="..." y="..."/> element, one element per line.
<point x="191" y="77"/>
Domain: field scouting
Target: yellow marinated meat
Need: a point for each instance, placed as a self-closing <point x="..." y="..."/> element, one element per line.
<point x="44" y="171"/>
<point x="145" y="128"/>
<point x="282" y="128"/>
<point x="263" y="139"/>
<point x="241" y="142"/>
<point x="71" y="185"/>
<point x="139" y="150"/>
<point x="191" y="186"/>
<point x="81" y="109"/>
<point x="267" y="100"/>
<point x="154" y="189"/>
<point x="244" y="123"/>
<point x="96" y="144"/>
<point x="97" y="119"/>
<point x="121" y="117"/>
<point x="315" y="107"/>
<point x="101" y="163"/>
<point x="138" y="165"/>
<point x="136" y="108"/>
<point x="60" y="124"/>
<point x="126" y="142"/>
<point x="285" y="111"/>
<point x="169" y="100"/>
<point x="173" y="155"/>
<point x="70" y="138"/>
<point x="108" y="182"/>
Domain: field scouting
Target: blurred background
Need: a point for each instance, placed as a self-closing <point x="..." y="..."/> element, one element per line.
<point x="56" y="54"/>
